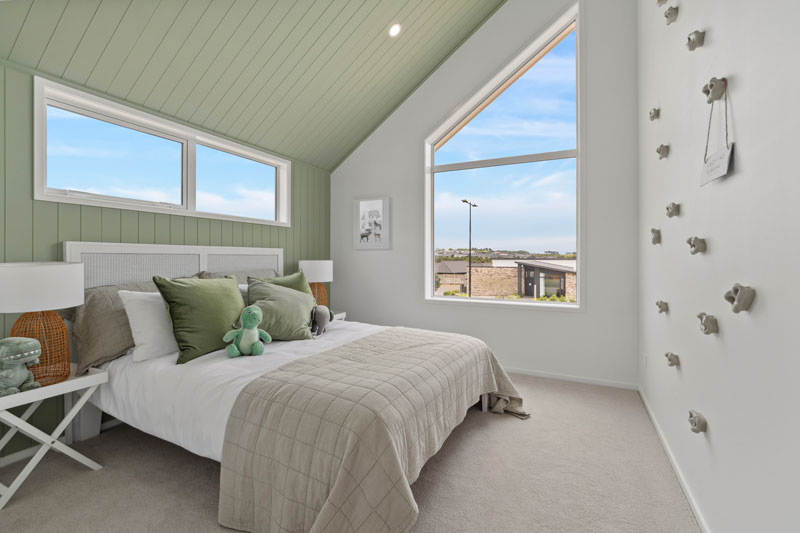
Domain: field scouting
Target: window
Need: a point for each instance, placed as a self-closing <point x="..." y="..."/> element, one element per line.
<point x="95" y="152"/>
<point x="502" y="184"/>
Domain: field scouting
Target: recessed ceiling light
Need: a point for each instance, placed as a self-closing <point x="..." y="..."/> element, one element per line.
<point x="394" y="31"/>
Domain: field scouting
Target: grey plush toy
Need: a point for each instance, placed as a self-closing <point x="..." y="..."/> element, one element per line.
<point x="320" y="317"/>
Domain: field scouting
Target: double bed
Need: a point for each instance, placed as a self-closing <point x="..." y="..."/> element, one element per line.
<point x="325" y="434"/>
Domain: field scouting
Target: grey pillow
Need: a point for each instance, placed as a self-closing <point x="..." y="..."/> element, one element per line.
<point x="287" y="312"/>
<point x="100" y="327"/>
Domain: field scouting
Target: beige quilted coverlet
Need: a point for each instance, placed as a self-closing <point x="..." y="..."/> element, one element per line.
<point x="332" y="442"/>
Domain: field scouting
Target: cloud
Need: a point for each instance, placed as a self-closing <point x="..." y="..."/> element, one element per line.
<point x="66" y="150"/>
<point x="166" y="195"/>
<point x="242" y="201"/>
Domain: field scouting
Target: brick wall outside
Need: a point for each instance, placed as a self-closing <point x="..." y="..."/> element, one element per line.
<point x="494" y="281"/>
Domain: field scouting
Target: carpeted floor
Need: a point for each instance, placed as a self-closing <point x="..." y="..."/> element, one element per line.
<point x="588" y="459"/>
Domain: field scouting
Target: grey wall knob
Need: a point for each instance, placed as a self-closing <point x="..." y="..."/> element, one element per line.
<point x="672" y="359"/>
<point x="708" y="323"/>
<point x="696" y="245"/>
<point x="715" y="89"/>
<point x="671" y="14"/>
<point x="663" y="307"/>
<point x="660" y="3"/>
<point x="655" y="236"/>
<point x="662" y="151"/>
<point x="740" y="297"/>
<point x="695" y="40"/>
<point x="697" y="422"/>
<point x="673" y="209"/>
<point x="655" y="113"/>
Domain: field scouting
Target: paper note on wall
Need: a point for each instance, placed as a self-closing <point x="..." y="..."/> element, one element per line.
<point x="717" y="165"/>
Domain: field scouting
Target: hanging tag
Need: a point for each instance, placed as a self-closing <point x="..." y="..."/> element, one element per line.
<point x="717" y="165"/>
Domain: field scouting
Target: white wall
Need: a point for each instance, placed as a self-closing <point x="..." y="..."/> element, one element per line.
<point x="743" y="474"/>
<point x="386" y="287"/>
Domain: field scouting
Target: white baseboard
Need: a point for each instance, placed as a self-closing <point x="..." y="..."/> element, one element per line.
<point x="579" y="379"/>
<point x="698" y="515"/>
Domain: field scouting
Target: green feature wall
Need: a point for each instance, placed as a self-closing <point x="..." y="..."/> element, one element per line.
<point x="31" y="230"/>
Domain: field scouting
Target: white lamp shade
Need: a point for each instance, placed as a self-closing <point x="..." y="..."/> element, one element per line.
<point x="317" y="271"/>
<point x="28" y="287"/>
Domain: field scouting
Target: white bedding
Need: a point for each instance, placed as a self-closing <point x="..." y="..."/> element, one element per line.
<point x="189" y="404"/>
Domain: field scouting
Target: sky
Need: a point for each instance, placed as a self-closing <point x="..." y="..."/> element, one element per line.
<point x="86" y="154"/>
<point x="529" y="206"/>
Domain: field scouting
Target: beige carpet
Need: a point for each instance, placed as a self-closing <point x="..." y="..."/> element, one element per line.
<point x="587" y="460"/>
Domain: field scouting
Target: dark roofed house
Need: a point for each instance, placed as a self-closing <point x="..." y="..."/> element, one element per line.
<point x="451" y="267"/>
<point x="451" y="276"/>
<point x="544" y="278"/>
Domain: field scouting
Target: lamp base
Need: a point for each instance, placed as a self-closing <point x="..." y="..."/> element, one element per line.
<point x="320" y="294"/>
<point x="49" y="329"/>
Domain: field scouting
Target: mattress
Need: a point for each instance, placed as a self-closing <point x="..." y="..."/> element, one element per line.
<point x="189" y="404"/>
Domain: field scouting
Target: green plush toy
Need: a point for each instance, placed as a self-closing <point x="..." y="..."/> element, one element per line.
<point x="247" y="339"/>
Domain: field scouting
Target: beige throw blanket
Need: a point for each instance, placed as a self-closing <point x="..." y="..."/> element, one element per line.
<point x="332" y="442"/>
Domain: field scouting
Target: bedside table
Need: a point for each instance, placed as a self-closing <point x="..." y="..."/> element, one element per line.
<point x="87" y="383"/>
<point x="340" y="316"/>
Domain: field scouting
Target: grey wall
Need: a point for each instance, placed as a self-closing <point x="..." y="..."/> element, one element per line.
<point x="597" y="343"/>
<point x="742" y="474"/>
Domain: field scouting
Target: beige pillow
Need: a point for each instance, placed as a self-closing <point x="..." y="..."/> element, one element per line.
<point x="100" y="327"/>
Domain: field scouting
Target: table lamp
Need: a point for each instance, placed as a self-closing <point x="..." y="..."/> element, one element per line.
<point x="317" y="273"/>
<point x="36" y="289"/>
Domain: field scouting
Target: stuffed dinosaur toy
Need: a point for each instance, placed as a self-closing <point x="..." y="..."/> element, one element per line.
<point x="320" y="317"/>
<point x="247" y="339"/>
<point x="16" y="355"/>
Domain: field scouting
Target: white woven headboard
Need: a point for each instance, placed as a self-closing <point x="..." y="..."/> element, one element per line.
<point x="119" y="263"/>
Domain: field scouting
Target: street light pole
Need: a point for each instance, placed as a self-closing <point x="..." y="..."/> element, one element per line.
<point x="471" y="205"/>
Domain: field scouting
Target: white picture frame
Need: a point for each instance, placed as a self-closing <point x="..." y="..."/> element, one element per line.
<point x="372" y="223"/>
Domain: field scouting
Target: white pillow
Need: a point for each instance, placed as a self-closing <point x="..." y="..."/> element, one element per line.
<point x="243" y="290"/>
<point x="150" y="325"/>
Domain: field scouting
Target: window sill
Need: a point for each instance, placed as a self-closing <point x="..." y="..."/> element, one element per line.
<point x="496" y="303"/>
<point x="134" y="205"/>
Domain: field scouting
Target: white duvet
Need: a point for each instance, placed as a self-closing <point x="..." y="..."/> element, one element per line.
<point x="189" y="404"/>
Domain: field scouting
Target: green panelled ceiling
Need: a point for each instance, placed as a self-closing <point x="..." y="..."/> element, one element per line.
<point x="309" y="79"/>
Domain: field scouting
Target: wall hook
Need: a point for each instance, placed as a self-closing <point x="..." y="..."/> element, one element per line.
<point x="715" y="89"/>
<point x="740" y="297"/>
<point x="663" y="307"/>
<point x="673" y="209"/>
<point x="660" y="3"/>
<point x="672" y="359"/>
<point x="671" y="14"/>
<point x="655" y="113"/>
<point x="697" y="422"/>
<point x="695" y="40"/>
<point x="696" y="245"/>
<point x="708" y="323"/>
<point x="662" y="151"/>
<point x="655" y="236"/>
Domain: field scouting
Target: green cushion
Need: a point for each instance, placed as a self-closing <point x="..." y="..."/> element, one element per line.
<point x="287" y="312"/>
<point x="296" y="281"/>
<point x="202" y="311"/>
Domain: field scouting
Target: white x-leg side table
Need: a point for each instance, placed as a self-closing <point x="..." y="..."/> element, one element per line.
<point x="87" y="383"/>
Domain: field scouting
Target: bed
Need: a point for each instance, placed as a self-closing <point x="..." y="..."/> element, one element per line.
<point x="325" y="434"/>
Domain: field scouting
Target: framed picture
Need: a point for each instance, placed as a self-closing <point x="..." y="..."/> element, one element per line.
<point x="371" y="223"/>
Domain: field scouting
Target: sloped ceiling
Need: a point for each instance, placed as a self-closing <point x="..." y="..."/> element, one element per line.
<point x="309" y="79"/>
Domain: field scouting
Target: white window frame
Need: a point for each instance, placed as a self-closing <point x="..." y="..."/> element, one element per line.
<point x="48" y="92"/>
<point x="560" y="24"/>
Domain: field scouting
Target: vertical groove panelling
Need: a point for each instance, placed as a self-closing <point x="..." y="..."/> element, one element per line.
<point x="147" y="228"/>
<point x="190" y="231"/>
<point x="129" y="226"/>
<point x="36" y="230"/>
<point x="163" y="229"/>
<point x="176" y="229"/>
<point x="110" y="225"/>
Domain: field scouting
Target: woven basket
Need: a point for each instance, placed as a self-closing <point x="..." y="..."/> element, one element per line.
<point x="49" y="329"/>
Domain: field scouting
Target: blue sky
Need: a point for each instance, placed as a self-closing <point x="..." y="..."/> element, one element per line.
<point x="85" y="154"/>
<point x="530" y="206"/>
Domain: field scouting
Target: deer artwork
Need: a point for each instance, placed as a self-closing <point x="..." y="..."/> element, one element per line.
<point x="376" y="230"/>
<point x="365" y="235"/>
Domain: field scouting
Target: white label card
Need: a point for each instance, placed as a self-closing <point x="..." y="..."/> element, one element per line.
<point x="717" y="165"/>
